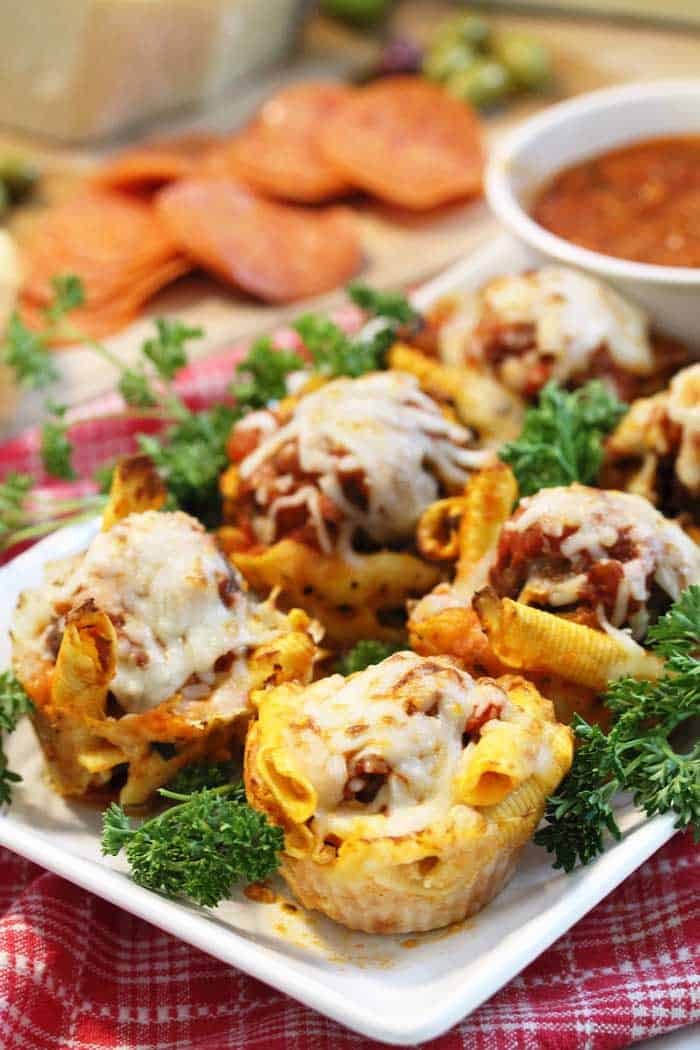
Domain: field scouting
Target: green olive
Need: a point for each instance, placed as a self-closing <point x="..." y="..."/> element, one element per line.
<point x="440" y="63"/>
<point x="18" y="176"/>
<point x="4" y="199"/>
<point x="527" y="60"/>
<point x="486" y="83"/>
<point x="465" y="28"/>
<point x="362" y="11"/>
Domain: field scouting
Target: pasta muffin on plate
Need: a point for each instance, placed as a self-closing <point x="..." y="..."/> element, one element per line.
<point x="553" y="323"/>
<point x="655" y="450"/>
<point x="141" y="652"/>
<point x="405" y="791"/>
<point x="325" y="491"/>
<point x="565" y="586"/>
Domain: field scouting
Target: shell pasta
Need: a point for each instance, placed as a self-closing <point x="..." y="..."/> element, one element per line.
<point x="325" y="492"/>
<point x="141" y="653"/>
<point x="405" y="791"/>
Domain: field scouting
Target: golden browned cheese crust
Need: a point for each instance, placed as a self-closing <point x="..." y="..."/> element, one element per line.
<point x="405" y="791"/>
<point x="324" y="492"/>
<point x="561" y="590"/>
<point x="140" y="655"/>
<point x="655" y="450"/>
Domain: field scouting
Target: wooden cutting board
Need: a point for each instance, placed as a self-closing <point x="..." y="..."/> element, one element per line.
<point x="399" y="248"/>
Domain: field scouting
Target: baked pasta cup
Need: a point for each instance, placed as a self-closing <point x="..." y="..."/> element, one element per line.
<point x="325" y="491"/>
<point x="562" y="590"/>
<point x="655" y="450"/>
<point x="553" y="324"/>
<point x="140" y="655"/>
<point x="406" y="790"/>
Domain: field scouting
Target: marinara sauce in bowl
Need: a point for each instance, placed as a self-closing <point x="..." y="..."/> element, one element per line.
<point x="610" y="183"/>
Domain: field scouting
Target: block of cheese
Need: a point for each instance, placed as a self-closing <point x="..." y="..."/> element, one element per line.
<point x="85" y="69"/>
<point x="9" y="278"/>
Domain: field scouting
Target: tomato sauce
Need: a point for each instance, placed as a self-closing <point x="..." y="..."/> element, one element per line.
<point x="640" y="202"/>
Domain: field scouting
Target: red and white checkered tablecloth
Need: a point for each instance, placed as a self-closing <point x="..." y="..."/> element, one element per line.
<point x="77" y="973"/>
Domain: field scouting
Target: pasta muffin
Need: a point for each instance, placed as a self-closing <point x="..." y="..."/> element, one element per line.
<point x="406" y="790"/>
<point x="554" y="323"/>
<point x="325" y="492"/>
<point x="603" y="558"/>
<point x="655" y="450"/>
<point x="567" y="585"/>
<point x="140" y="654"/>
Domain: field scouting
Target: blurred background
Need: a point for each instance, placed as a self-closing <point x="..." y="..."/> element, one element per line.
<point x="98" y="70"/>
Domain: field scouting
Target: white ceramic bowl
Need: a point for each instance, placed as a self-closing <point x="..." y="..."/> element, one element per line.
<point x="585" y="127"/>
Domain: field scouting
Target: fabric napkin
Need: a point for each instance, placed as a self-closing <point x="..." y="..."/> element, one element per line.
<point x="77" y="973"/>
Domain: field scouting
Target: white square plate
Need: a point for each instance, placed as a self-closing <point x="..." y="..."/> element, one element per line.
<point x="397" y="989"/>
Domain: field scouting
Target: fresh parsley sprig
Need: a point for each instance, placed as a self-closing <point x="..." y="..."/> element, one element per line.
<point x="190" y="457"/>
<point x="198" y="776"/>
<point x="68" y="295"/>
<point x="56" y="448"/>
<point x="637" y="754"/>
<point x="22" y="519"/>
<point x="562" y="437"/>
<point x="167" y="350"/>
<point x="27" y="354"/>
<point x="13" y="493"/>
<point x="335" y="353"/>
<point x="14" y="704"/>
<point x="191" y="452"/>
<point x="200" y="848"/>
<point x="365" y="654"/>
<point x="393" y="306"/>
<point x="261" y="375"/>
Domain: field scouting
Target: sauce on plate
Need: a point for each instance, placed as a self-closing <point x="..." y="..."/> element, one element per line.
<point x="640" y="202"/>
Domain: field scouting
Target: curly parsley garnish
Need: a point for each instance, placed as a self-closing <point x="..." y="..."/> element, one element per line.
<point x="190" y="457"/>
<point x="365" y="654"/>
<point x="190" y="452"/>
<point x="637" y="754"/>
<point x="335" y="353"/>
<point x="28" y="355"/>
<point x="13" y="493"/>
<point x="14" y="704"/>
<point x="562" y="437"/>
<point x="392" y="306"/>
<point x="200" y="848"/>
<point x="261" y="375"/>
<point x="56" y="449"/>
<point x="200" y="775"/>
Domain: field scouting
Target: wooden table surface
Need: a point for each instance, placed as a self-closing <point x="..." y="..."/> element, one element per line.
<point x="399" y="248"/>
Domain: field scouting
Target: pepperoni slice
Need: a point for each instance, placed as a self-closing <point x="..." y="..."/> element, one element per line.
<point x="107" y="239"/>
<point x="278" y="153"/>
<point x="116" y="245"/>
<point x="147" y="167"/>
<point x="275" y="251"/>
<point x="111" y="316"/>
<point x="408" y="142"/>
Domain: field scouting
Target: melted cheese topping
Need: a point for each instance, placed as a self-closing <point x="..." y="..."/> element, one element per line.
<point x="684" y="410"/>
<point x="405" y="715"/>
<point x="573" y="316"/>
<point x="663" y="553"/>
<point x="175" y="602"/>
<point x="383" y="427"/>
